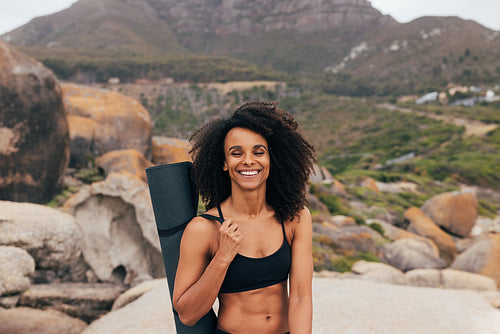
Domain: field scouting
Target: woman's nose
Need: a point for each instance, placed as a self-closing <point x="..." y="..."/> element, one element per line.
<point x="249" y="159"/>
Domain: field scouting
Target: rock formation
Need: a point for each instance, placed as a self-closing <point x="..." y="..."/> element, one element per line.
<point x="169" y="150"/>
<point x="483" y="257"/>
<point x="456" y="212"/>
<point x="131" y="161"/>
<point x="412" y="253"/>
<point x="422" y="225"/>
<point x="101" y="121"/>
<point x="16" y="267"/>
<point x="120" y="237"/>
<point x="34" y="138"/>
<point x="52" y="238"/>
<point x="29" y="320"/>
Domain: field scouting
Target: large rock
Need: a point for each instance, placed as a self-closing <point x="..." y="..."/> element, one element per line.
<point x="30" y="321"/>
<point x="458" y="279"/>
<point x="80" y="300"/>
<point x="52" y="237"/>
<point x="430" y="278"/>
<point x="120" y="237"/>
<point x="169" y="150"/>
<point x="101" y="121"/>
<point x="137" y="291"/>
<point x="150" y="313"/>
<point x="348" y="306"/>
<point x="422" y="225"/>
<point x="321" y="175"/>
<point x="482" y="258"/>
<point x="131" y="161"/>
<point x="357" y="306"/>
<point x="34" y="137"/>
<point x="348" y="239"/>
<point x="16" y="266"/>
<point x="378" y="272"/>
<point x="456" y="212"/>
<point x="411" y="253"/>
<point x="450" y="279"/>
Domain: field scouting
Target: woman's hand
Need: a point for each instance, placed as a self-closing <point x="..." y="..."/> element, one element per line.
<point x="229" y="240"/>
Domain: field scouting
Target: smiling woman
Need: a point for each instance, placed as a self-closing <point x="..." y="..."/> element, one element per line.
<point x="252" y="171"/>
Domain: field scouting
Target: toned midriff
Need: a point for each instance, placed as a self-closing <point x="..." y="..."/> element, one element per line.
<point x="262" y="310"/>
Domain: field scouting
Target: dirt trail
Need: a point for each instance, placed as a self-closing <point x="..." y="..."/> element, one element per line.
<point x="472" y="127"/>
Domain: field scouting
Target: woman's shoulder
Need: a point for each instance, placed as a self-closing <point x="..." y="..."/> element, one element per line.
<point x="304" y="215"/>
<point x="200" y="224"/>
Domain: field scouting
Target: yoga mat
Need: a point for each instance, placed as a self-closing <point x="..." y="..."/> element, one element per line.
<point x="175" y="202"/>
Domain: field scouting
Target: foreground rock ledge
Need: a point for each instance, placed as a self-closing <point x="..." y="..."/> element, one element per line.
<point x="340" y="306"/>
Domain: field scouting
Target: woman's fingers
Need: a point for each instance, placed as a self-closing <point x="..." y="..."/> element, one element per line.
<point x="230" y="237"/>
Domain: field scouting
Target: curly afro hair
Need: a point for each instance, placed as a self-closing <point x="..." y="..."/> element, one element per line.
<point x="291" y="157"/>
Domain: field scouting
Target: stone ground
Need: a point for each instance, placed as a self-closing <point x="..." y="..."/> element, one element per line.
<point x="355" y="306"/>
<point x="346" y="306"/>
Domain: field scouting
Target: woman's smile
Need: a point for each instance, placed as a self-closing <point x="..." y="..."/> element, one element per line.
<point x="249" y="173"/>
<point x="247" y="158"/>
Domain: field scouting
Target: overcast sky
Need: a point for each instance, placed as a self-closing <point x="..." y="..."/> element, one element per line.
<point x="14" y="13"/>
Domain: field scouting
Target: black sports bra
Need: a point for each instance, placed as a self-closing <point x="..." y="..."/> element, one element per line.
<point x="248" y="273"/>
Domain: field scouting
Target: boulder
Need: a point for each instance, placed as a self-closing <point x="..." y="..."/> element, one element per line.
<point x="340" y="220"/>
<point x="81" y="300"/>
<point x="120" y="237"/>
<point x="454" y="211"/>
<point x="29" y="320"/>
<point x="52" y="237"/>
<point x="101" y="121"/>
<point x="313" y="203"/>
<point x="131" y="161"/>
<point x="150" y="313"/>
<point x="331" y="187"/>
<point x="358" y="306"/>
<point x="457" y="279"/>
<point x="320" y="175"/>
<point x="450" y="279"/>
<point x="34" y="135"/>
<point x="349" y="239"/>
<point x="424" y="277"/>
<point x="137" y="291"/>
<point x="378" y="272"/>
<point x="169" y="150"/>
<point x="16" y="266"/>
<point x="422" y="225"/>
<point x="483" y="257"/>
<point x="371" y="184"/>
<point x="397" y="187"/>
<point x="411" y="253"/>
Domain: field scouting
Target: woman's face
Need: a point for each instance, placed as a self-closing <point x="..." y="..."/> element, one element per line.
<point x="247" y="158"/>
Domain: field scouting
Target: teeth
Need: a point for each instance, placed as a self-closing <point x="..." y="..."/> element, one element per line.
<point x="249" y="173"/>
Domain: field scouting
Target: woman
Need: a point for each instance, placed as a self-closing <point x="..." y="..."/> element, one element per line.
<point x="252" y="171"/>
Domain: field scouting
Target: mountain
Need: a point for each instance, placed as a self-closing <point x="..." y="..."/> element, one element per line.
<point x="347" y="38"/>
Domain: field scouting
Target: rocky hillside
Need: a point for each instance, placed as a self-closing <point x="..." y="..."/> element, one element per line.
<point x="353" y="42"/>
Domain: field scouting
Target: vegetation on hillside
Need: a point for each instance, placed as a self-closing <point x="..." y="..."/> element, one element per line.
<point x="191" y="68"/>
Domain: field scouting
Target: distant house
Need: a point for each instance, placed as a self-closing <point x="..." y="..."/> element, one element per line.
<point x="429" y="97"/>
<point x="470" y="102"/>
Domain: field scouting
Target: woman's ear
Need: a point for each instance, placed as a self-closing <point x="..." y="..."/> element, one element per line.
<point x="224" y="168"/>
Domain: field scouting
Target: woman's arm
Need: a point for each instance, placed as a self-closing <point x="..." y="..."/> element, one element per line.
<point x="300" y="308"/>
<point x="199" y="276"/>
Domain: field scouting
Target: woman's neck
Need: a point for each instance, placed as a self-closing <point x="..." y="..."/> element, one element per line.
<point x="247" y="203"/>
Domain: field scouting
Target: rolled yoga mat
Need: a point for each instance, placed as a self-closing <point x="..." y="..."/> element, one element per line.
<point x="175" y="202"/>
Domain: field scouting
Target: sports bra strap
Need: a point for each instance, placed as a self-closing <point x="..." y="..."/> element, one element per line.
<point x="220" y="212"/>
<point x="211" y="217"/>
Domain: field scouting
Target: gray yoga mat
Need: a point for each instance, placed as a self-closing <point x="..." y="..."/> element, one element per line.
<point x="175" y="202"/>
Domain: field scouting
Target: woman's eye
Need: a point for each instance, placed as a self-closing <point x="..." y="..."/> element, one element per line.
<point x="259" y="153"/>
<point x="236" y="154"/>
